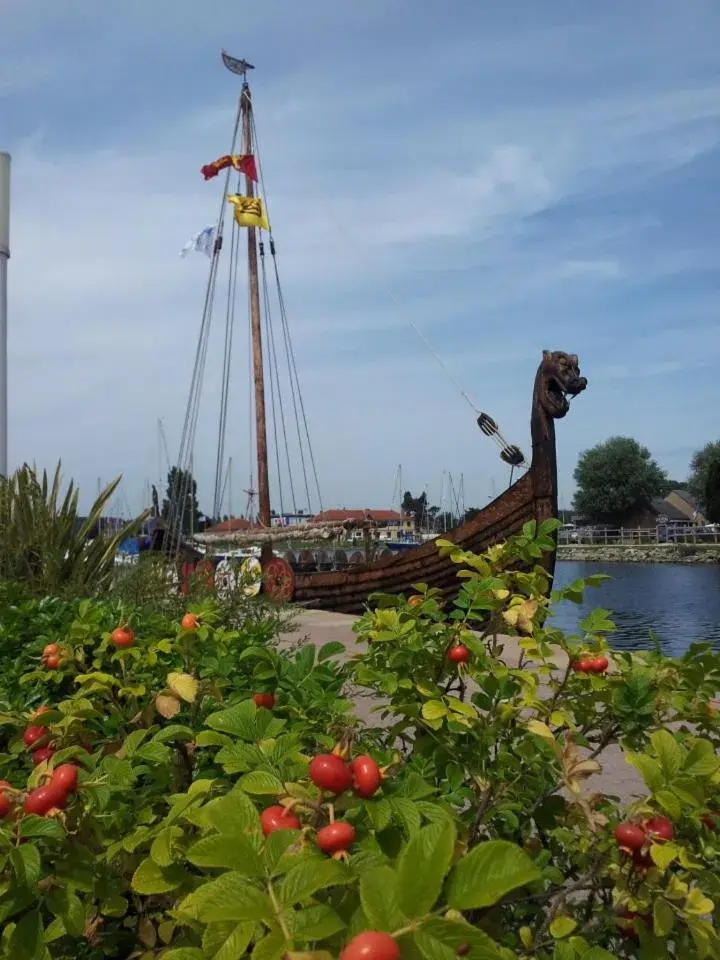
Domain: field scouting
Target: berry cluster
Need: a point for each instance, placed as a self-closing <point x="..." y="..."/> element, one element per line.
<point x="52" y="656"/>
<point x="332" y="773"/>
<point x="636" y="839"/>
<point x="46" y="800"/>
<point x="588" y="664"/>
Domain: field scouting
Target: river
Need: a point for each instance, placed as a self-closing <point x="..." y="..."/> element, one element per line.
<point x="679" y="602"/>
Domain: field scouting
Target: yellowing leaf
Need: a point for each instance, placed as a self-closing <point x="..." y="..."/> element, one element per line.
<point x="146" y="932"/>
<point x="562" y="927"/>
<point x="663" y="854"/>
<point x="167" y="706"/>
<point x="697" y="903"/>
<point x="434" y="710"/>
<point x="183" y="686"/>
<point x="540" y="729"/>
<point x="526" y="937"/>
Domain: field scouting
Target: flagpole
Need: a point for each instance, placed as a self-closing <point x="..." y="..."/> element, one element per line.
<point x="255" y="329"/>
<point x="4" y="257"/>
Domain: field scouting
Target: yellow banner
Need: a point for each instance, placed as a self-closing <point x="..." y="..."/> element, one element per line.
<point x="249" y="211"/>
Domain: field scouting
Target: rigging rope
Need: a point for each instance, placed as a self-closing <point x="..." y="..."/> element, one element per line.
<point x="275" y="388"/>
<point x="295" y="389"/>
<point x="182" y="485"/>
<point x="508" y="452"/>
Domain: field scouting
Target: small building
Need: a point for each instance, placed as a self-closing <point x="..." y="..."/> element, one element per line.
<point x="686" y="503"/>
<point x="232" y="525"/>
<point x="656" y="513"/>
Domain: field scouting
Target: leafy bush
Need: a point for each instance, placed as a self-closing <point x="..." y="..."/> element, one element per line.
<point x="230" y="804"/>
<point x="46" y="543"/>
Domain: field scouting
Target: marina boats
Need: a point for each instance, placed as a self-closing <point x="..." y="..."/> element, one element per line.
<point x="291" y="571"/>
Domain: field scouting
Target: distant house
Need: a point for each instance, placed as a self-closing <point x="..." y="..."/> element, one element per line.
<point x="658" y="512"/>
<point x="686" y="503"/>
<point x="233" y="525"/>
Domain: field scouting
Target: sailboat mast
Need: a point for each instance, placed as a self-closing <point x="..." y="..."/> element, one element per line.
<point x="255" y="327"/>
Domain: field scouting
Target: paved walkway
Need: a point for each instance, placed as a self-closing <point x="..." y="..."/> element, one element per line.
<point x="617" y="777"/>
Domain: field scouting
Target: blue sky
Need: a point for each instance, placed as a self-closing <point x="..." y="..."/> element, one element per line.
<point x="511" y="177"/>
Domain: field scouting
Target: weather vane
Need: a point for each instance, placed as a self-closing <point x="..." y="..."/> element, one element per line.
<point x="240" y="67"/>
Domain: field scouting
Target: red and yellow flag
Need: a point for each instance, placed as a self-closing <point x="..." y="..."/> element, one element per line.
<point x="242" y="162"/>
<point x="249" y="211"/>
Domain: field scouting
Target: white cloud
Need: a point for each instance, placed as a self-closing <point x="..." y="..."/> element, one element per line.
<point x="383" y="210"/>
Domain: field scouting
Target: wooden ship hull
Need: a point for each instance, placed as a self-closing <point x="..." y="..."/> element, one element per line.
<point x="347" y="591"/>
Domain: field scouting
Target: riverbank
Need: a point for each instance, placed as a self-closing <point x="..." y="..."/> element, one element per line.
<point x="640" y="553"/>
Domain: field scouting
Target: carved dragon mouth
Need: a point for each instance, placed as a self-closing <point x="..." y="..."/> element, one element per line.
<point x="557" y="392"/>
<point x="556" y="398"/>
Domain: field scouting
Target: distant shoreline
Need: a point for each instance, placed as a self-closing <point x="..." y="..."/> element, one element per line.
<point x="633" y="553"/>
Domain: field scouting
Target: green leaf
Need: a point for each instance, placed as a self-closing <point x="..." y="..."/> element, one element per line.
<point x="175" y="731"/>
<point x="562" y="927"/>
<point x="311" y="875"/>
<point x="670" y="803"/>
<point x="663" y="918"/>
<point x="161" y="848"/>
<point x="34" y="826"/>
<point x="698" y="903"/>
<point x="663" y="854"/>
<point x="156" y="753"/>
<point x="648" y="769"/>
<point x="233" y="813"/>
<point x="332" y="649"/>
<point x="64" y="903"/>
<point x="26" y="941"/>
<point x="227" y="940"/>
<point x="669" y="752"/>
<point x="378" y="896"/>
<point x="437" y="935"/>
<point x="261" y="782"/>
<point x="701" y="761"/>
<point x="434" y="710"/>
<point x="26" y="864"/>
<point x="238" y="720"/>
<point x="229" y="897"/>
<point x="487" y="873"/>
<point x="275" y="847"/>
<point x="271" y="947"/>
<point x="422" y="868"/>
<point x="597" y="953"/>
<point x="184" y="953"/>
<point x="314" y="923"/>
<point x="150" y="878"/>
<point x="234" y="852"/>
<point x="406" y="813"/>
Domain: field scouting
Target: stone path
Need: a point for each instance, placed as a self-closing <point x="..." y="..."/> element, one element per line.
<point x="617" y="777"/>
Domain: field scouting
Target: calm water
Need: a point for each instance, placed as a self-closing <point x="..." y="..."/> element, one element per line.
<point x="680" y="602"/>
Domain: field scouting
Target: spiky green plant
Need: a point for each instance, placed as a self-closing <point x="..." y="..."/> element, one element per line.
<point x="44" y="541"/>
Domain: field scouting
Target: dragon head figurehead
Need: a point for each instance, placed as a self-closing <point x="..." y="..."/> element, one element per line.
<point x="558" y="378"/>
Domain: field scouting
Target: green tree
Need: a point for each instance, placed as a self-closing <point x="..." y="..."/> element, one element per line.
<point x="614" y="478"/>
<point x="181" y="500"/>
<point x="704" y="482"/>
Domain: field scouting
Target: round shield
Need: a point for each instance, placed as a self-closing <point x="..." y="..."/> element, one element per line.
<point x="225" y="578"/>
<point x="250" y="574"/>
<point x="279" y="580"/>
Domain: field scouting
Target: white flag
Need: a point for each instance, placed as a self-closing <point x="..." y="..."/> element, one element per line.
<point x="202" y="242"/>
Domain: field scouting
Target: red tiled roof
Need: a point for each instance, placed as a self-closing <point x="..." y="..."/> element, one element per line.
<point x="232" y="526"/>
<point x="366" y="514"/>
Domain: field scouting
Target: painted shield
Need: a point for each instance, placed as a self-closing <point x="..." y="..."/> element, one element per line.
<point x="279" y="580"/>
<point x="250" y="576"/>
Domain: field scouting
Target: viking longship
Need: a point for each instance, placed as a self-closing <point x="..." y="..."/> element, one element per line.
<point x="299" y="574"/>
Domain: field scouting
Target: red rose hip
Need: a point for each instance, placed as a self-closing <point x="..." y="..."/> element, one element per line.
<point x="336" y="837"/>
<point x="266" y="700"/>
<point x="330" y="772"/>
<point x="278" y="817"/>
<point x="458" y="654"/>
<point x="65" y="777"/>
<point x="660" y="828"/>
<point x="629" y="836"/>
<point x="41" y="755"/>
<point x="42" y="799"/>
<point x="367" y="776"/>
<point x="33" y="735"/>
<point x="371" y="945"/>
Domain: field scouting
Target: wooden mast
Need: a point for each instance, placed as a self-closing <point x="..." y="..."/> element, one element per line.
<point x="255" y="327"/>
